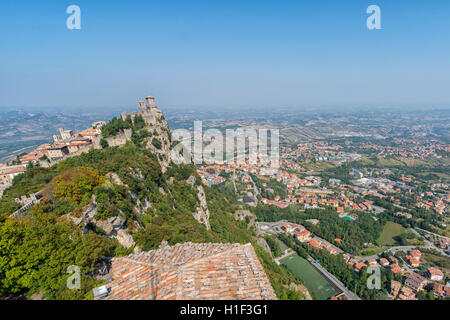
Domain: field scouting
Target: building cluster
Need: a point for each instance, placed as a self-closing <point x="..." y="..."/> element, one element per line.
<point x="69" y="144"/>
<point x="300" y="233"/>
<point x="407" y="148"/>
<point x="414" y="282"/>
<point x="7" y="174"/>
<point x="64" y="145"/>
<point x="316" y="151"/>
<point x="436" y="202"/>
<point x="210" y="175"/>
<point x="411" y="282"/>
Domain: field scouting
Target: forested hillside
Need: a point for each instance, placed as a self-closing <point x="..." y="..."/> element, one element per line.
<point x="111" y="202"/>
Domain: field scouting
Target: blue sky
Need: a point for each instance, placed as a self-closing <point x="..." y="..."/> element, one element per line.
<point x="217" y="54"/>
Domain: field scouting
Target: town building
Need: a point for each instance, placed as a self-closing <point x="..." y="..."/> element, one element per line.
<point x="303" y="236"/>
<point x="435" y="274"/>
<point x="395" y="269"/>
<point x="415" y="281"/>
<point x="395" y="288"/>
<point x="7" y="173"/>
<point x="406" y="294"/>
<point x="384" y="262"/>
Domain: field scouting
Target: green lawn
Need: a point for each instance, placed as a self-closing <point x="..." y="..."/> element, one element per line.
<point x="312" y="278"/>
<point x="366" y="252"/>
<point x="390" y="230"/>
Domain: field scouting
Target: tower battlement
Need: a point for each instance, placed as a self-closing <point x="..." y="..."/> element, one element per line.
<point x="148" y="105"/>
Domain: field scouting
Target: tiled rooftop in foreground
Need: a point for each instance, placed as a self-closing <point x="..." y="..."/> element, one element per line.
<point x="193" y="271"/>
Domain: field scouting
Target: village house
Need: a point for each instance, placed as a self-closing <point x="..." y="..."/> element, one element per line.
<point x="395" y="288"/>
<point x="359" y="266"/>
<point x="393" y="259"/>
<point x="384" y="262"/>
<point x="435" y="274"/>
<point x="438" y="290"/>
<point x="372" y="262"/>
<point x="413" y="261"/>
<point x="406" y="294"/>
<point x="303" y="236"/>
<point x="395" y="269"/>
<point x="416" y="254"/>
<point x="314" y="243"/>
<point x="32" y="157"/>
<point x="7" y="173"/>
<point x="57" y="152"/>
<point x="415" y="281"/>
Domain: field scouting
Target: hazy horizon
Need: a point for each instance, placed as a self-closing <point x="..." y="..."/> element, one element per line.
<point x="230" y="55"/>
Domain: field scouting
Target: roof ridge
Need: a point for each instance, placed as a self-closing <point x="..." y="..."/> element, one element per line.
<point x="159" y="251"/>
<point x="232" y="247"/>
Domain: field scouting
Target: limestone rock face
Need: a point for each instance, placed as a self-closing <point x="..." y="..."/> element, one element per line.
<point x="202" y="213"/>
<point x="115" y="179"/>
<point x="114" y="227"/>
<point x="141" y="208"/>
<point x="110" y="225"/>
<point x="191" y="180"/>
<point x="125" y="239"/>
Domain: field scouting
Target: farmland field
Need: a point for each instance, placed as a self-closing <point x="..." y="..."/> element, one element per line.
<point x="312" y="278"/>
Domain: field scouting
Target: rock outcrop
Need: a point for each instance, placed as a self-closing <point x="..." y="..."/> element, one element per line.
<point x="114" y="227"/>
<point x="202" y="213"/>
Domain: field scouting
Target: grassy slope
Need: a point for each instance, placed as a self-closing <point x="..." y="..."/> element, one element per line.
<point x="390" y="230"/>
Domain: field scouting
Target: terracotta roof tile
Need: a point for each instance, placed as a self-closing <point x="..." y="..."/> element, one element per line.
<point x="190" y="271"/>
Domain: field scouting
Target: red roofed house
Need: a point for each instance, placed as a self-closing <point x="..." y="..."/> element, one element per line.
<point x="384" y="262"/>
<point x="303" y="236"/>
<point x="359" y="266"/>
<point x="416" y="254"/>
<point x="415" y="281"/>
<point x="435" y="274"/>
<point x="395" y="288"/>
<point x="412" y="261"/>
<point x="314" y="243"/>
<point x="406" y="294"/>
<point x="438" y="290"/>
<point x="7" y="174"/>
<point x="396" y="269"/>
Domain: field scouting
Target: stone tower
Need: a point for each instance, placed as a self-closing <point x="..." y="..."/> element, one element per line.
<point x="141" y="105"/>
<point x="150" y="102"/>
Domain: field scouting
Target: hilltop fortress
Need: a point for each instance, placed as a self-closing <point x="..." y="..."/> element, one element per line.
<point x="148" y="110"/>
<point x="156" y="125"/>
